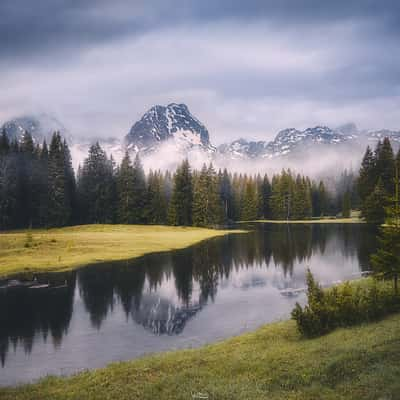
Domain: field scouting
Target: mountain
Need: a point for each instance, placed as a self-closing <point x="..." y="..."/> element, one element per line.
<point x="165" y="135"/>
<point x="161" y="316"/>
<point x="173" y="124"/>
<point x="40" y="126"/>
<point x="394" y="136"/>
<point x="294" y="143"/>
<point x="290" y="140"/>
<point x="242" y="148"/>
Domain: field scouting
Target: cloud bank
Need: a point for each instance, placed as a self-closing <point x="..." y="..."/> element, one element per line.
<point x="244" y="69"/>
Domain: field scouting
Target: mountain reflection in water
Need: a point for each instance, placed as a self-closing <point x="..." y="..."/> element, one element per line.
<point x="212" y="290"/>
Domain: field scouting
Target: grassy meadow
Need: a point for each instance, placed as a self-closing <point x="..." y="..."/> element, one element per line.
<point x="68" y="248"/>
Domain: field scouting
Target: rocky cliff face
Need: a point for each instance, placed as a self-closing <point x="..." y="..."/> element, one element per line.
<point x="173" y="123"/>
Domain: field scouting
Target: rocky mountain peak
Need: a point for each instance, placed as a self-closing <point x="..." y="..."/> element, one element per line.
<point x="171" y="122"/>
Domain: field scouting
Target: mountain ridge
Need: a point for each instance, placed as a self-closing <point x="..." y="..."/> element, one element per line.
<point x="175" y="126"/>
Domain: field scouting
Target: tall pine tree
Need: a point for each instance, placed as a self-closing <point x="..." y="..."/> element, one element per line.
<point x="125" y="191"/>
<point x="181" y="203"/>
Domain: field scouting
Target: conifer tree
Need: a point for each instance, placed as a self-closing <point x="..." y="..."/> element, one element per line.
<point x="385" y="165"/>
<point x="299" y="206"/>
<point x="26" y="168"/>
<point x="346" y="205"/>
<point x="200" y="198"/>
<point x="70" y="185"/>
<point x="215" y="215"/>
<point x="282" y="196"/>
<point x="139" y="192"/>
<point x="156" y="210"/>
<point x="374" y="206"/>
<point x="207" y="206"/>
<point x="237" y="192"/>
<point x="386" y="261"/>
<point x="315" y="200"/>
<point x="367" y="176"/>
<point x="322" y="199"/>
<point x="44" y="185"/>
<point x="180" y="207"/>
<point x="58" y="215"/>
<point x="96" y="187"/>
<point x="226" y="195"/>
<point x="125" y="191"/>
<point x="266" y="197"/>
<point x="9" y="184"/>
<point x="250" y="202"/>
<point x="260" y="197"/>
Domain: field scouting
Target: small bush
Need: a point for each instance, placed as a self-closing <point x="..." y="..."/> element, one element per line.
<point x="342" y="306"/>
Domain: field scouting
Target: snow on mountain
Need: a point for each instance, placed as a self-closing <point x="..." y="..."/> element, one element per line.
<point x="290" y="140"/>
<point x="394" y="136"/>
<point x="242" y="148"/>
<point x="40" y="126"/>
<point x="295" y="142"/>
<point x="167" y="134"/>
<point x="173" y="123"/>
<point x="285" y="142"/>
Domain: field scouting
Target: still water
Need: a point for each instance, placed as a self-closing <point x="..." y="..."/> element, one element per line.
<point x="181" y="299"/>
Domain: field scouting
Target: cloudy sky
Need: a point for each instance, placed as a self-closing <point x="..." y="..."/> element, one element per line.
<point x="245" y="68"/>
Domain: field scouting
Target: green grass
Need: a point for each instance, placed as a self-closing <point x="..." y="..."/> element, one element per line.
<point x="327" y="220"/>
<point x="72" y="247"/>
<point x="273" y="362"/>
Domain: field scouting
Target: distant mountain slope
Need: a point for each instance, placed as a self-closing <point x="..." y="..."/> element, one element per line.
<point x="164" y="135"/>
<point x="40" y="126"/>
<point x="293" y="142"/>
<point x="172" y="123"/>
<point x="242" y="148"/>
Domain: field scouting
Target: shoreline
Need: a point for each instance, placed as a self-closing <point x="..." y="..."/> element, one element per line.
<point x="70" y="248"/>
<point x="311" y="221"/>
<point x="273" y="361"/>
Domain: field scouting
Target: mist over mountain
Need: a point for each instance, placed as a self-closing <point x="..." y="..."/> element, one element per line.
<point x="165" y="135"/>
<point x="40" y="126"/>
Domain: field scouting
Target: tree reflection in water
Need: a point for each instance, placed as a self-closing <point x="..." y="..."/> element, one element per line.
<point x="161" y="292"/>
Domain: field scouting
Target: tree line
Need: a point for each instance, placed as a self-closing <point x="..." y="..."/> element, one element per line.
<point x="37" y="183"/>
<point x="38" y="188"/>
<point x="352" y="304"/>
<point x="376" y="181"/>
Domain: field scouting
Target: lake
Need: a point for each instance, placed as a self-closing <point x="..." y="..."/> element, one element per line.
<point x="214" y="290"/>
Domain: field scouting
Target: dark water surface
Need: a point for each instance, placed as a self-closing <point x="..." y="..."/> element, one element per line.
<point x="214" y="290"/>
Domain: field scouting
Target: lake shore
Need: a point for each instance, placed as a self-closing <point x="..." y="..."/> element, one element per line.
<point x="353" y="220"/>
<point x="273" y="362"/>
<point x="60" y="249"/>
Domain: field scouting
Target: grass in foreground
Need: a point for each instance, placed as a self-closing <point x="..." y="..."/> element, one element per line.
<point x="71" y="247"/>
<point x="272" y="363"/>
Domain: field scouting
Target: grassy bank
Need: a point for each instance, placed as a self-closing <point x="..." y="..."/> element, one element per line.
<point x="69" y="248"/>
<point x="353" y="220"/>
<point x="271" y="363"/>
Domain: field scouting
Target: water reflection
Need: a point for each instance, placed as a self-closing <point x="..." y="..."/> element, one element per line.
<point x="26" y="313"/>
<point x="232" y="277"/>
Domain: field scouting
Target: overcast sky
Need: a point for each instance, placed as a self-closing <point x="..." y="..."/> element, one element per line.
<point x="244" y="68"/>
